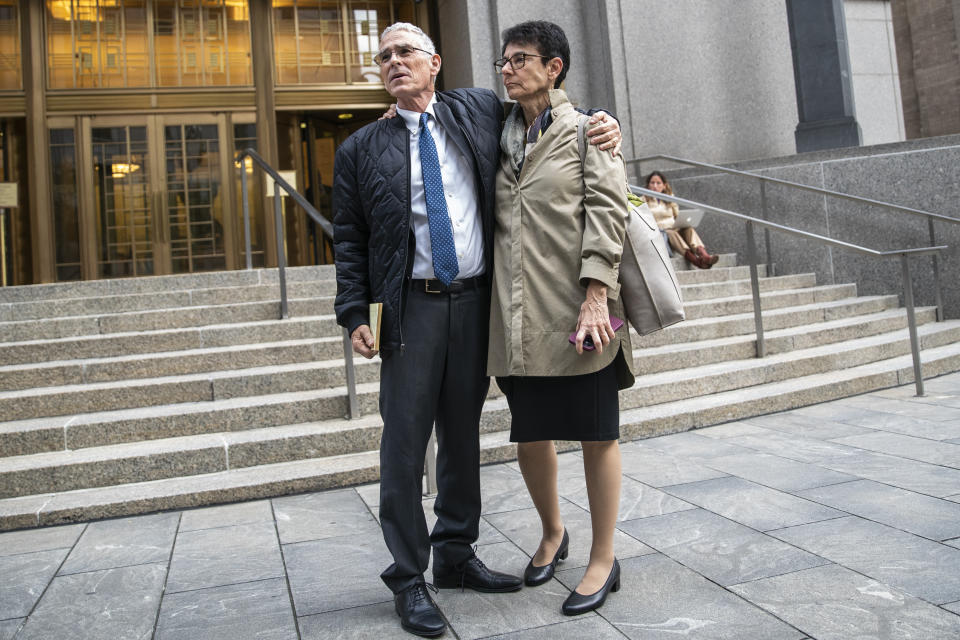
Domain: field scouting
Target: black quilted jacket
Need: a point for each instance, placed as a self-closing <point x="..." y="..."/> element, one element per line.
<point x="371" y="204"/>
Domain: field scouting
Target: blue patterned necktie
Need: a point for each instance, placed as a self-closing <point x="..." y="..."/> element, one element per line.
<point x="445" y="265"/>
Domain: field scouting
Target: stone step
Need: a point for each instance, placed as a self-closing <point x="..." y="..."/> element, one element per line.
<point x="249" y="483"/>
<point x="690" y="354"/>
<point x="768" y="300"/>
<point x="213" y="410"/>
<point x="267" y="480"/>
<point x="156" y="284"/>
<point x="164" y="421"/>
<point x="152" y="320"/>
<point x="249" y="356"/>
<point x="169" y="340"/>
<point x="98" y="464"/>
<point x="92" y="306"/>
<point x="717" y="274"/>
<point x="680" y="264"/>
<point x="743" y="323"/>
<point x="729" y="288"/>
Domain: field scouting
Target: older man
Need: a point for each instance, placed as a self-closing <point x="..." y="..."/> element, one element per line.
<point x="413" y="219"/>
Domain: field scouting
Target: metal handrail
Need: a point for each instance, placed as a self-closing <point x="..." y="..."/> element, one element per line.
<point x="280" y="183"/>
<point x="903" y="254"/>
<point x="930" y="216"/>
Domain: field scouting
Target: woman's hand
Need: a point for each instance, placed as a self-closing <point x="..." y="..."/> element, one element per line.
<point x="594" y="320"/>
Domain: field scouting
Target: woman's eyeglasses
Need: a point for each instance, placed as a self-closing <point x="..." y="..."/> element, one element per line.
<point x="517" y="61"/>
<point x="404" y="52"/>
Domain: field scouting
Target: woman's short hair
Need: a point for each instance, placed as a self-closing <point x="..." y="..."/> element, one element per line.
<point x="422" y="40"/>
<point x="548" y="38"/>
<point x="667" y="189"/>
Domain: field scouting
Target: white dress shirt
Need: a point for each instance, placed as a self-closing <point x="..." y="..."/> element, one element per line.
<point x="459" y="186"/>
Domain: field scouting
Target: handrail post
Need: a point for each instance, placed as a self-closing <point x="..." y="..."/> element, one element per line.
<point x="755" y="288"/>
<point x="912" y="324"/>
<point x="936" y="272"/>
<point x="246" y="210"/>
<point x="281" y="251"/>
<point x="764" y="213"/>
<point x="352" y="408"/>
<point x="431" y="464"/>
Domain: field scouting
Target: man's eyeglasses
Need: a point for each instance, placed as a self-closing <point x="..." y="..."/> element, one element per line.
<point x="517" y="61"/>
<point x="404" y="52"/>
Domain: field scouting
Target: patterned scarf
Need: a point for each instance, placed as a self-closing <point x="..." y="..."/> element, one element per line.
<point x="516" y="136"/>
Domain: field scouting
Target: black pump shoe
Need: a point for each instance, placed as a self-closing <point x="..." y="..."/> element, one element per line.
<point x="576" y="603"/>
<point x="534" y="575"/>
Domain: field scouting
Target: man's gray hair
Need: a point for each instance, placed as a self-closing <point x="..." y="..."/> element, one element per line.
<point x="423" y="40"/>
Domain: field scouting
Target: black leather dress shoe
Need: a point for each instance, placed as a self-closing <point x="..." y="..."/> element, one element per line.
<point x="534" y="575"/>
<point x="473" y="574"/>
<point x="576" y="603"/>
<point x="418" y="612"/>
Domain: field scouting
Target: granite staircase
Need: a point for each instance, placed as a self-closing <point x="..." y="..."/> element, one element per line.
<point x="128" y="396"/>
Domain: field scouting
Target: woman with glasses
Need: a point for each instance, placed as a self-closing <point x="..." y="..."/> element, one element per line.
<point x="559" y="232"/>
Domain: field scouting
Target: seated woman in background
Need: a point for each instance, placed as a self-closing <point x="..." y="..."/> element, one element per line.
<point x="684" y="240"/>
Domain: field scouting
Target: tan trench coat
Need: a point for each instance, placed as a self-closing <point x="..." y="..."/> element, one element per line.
<point x="550" y="239"/>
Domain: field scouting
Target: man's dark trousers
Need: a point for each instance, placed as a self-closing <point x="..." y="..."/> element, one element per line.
<point x="439" y="375"/>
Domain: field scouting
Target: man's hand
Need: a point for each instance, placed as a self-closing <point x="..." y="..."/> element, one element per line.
<point x="607" y="134"/>
<point x="392" y="112"/>
<point x="362" y="341"/>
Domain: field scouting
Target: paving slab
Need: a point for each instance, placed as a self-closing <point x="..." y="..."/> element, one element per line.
<point x="657" y="469"/>
<point x="660" y="599"/>
<point x="224" y="556"/>
<point x="907" y="425"/>
<point x="637" y="500"/>
<point x="480" y="615"/>
<point x="807" y="426"/>
<point x="593" y="627"/>
<point x="258" y="609"/>
<point x="905" y="510"/>
<point x="748" y="503"/>
<point x="953" y="606"/>
<point x="777" y="472"/>
<point x="9" y="628"/>
<point x="502" y="489"/>
<point x="694" y="446"/>
<point x="226" y="515"/>
<point x="929" y="479"/>
<point x="912" y="406"/>
<point x="124" y="542"/>
<point x="115" y="603"/>
<point x="24" y="577"/>
<point x="795" y="447"/>
<point x="337" y="573"/>
<point x="720" y="549"/>
<point x="918" y="566"/>
<point x="730" y="429"/>
<point x="31" y="540"/>
<point x="378" y="620"/>
<point x="524" y="530"/>
<point x="315" y="516"/>
<point x="937" y="452"/>
<point x="835" y="603"/>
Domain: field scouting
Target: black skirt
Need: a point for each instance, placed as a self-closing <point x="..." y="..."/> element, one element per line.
<point x="582" y="408"/>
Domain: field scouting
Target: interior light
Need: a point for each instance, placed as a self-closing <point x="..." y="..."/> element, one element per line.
<point x="345" y="116"/>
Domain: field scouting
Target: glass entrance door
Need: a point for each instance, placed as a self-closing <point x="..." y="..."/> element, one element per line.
<point x="194" y="206"/>
<point x="121" y="194"/>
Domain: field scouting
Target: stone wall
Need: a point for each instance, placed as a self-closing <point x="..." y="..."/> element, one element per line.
<point x="920" y="174"/>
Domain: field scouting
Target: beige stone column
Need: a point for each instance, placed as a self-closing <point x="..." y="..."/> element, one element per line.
<point x="261" y="47"/>
<point x="39" y="189"/>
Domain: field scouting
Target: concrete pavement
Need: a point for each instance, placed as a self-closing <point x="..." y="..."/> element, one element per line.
<point x="835" y="521"/>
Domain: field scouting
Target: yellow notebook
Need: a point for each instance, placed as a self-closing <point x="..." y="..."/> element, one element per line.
<point x="376" y="314"/>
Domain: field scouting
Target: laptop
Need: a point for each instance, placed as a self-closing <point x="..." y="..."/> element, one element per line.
<point x="688" y="218"/>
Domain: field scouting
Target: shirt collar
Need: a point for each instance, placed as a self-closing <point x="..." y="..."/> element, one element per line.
<point x="412" y="118"/>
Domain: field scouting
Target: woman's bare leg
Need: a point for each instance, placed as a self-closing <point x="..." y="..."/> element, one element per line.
<point x="538" y="464"/>
<point x="601" y="465"/>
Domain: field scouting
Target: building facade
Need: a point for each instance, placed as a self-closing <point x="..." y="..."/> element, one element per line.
<point x="120" y="120"/>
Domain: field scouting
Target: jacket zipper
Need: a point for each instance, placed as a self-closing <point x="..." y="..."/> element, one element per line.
<point x="406" y="248"/>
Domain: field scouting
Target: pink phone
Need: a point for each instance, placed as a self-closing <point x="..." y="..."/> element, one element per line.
<point x="615" y="322"/>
